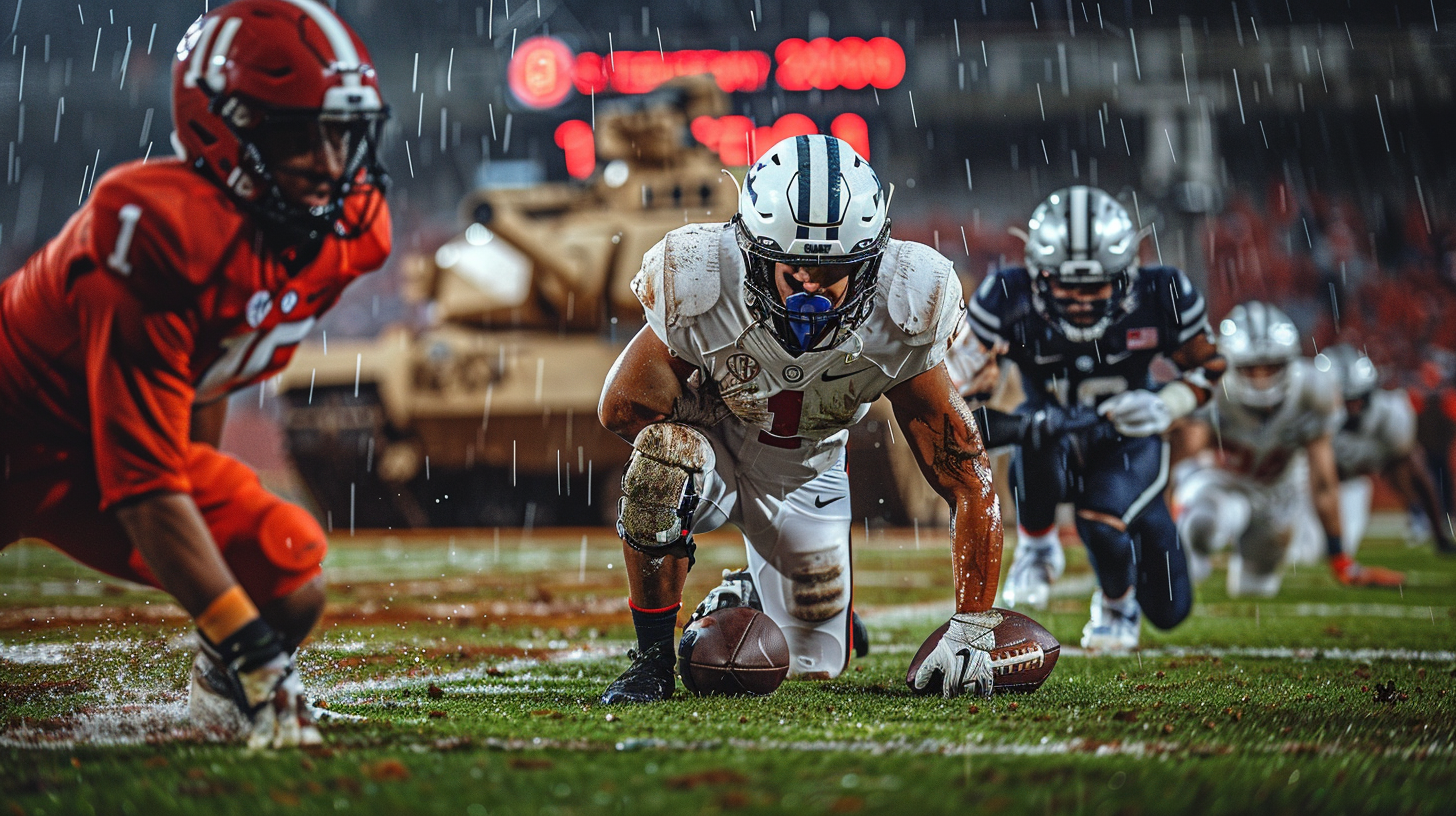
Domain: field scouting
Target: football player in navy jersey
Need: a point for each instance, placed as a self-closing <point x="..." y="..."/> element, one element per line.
<point x="1083" y="323"/>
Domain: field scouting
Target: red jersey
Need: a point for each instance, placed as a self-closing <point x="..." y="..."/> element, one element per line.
<point x="156" y="295"/>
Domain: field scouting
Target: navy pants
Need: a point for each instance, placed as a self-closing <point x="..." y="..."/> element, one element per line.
<point x="1116" y="484"/>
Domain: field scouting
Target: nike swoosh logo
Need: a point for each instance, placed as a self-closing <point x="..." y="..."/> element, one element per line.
<point x="1040" y="360"/>
<point x="827" y="377"/>
<point x="819" y="502"/>
<point x="1114" y="359"/>
<point x="965" y="656"/>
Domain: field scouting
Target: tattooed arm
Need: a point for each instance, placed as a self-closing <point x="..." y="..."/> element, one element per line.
<point x="648" y="384"/>
<point x="948" y="445"/>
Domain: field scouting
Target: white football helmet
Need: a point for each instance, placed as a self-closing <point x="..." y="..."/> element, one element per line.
<point x="1257" y="334"/>
<point x="1081" y="235"/>
<point x="1357" y="373"/>
<point x="811" y="201"/>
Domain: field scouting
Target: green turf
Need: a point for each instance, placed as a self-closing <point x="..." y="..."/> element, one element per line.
<point x="473" y="670"/>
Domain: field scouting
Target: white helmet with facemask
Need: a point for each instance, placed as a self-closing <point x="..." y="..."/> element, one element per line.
<point x="1358" y="376"/>
<point x="1257" y="334"/>
<point x="1080" y="236"/>
<point x="811" y="201"/>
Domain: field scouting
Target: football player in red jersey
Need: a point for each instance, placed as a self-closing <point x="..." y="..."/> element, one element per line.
<point x="180" y="281"/>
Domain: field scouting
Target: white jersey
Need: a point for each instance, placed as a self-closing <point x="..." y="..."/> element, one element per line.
<point x="1262" y="444"/>
<point x="1385" y="432"/>
<point x="793" y="409"/>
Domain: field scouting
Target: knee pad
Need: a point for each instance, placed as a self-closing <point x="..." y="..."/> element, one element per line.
<point x="291" y="539"/>
<point x="660" y="488"/>
<point x="1199" y="529"/>
<point x="1244" y="581"/>
<point x="1262" y="550"/>
<point x="819" y="587"/>
<point x="808" y="596"/>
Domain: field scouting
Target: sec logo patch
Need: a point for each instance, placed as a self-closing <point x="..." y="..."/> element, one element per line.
<point x="743" y="367"/>
<point x="258" y="306"/>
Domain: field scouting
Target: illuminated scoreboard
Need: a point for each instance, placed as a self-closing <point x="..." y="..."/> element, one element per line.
<point x="544" y="72"/>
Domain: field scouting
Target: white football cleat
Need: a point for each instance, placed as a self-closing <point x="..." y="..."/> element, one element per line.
<point x="1113" y="627"/>
<point x="1038" y="562"/>
<point x="210" y="706"/>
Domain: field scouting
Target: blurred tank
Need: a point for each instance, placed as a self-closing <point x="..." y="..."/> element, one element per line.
<point x="488" y="417"/>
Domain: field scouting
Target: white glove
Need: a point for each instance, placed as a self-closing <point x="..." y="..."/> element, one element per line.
<point x="962" y="657"/>
<point x="1137" y="413"/>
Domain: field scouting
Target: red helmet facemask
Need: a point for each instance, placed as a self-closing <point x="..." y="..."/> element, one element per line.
<point x="269" y="95"/>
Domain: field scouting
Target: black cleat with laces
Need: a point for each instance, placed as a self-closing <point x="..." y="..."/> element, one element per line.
<point x="650" y="679"/>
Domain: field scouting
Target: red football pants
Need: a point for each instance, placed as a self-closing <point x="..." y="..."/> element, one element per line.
<point x="271" y="546"/>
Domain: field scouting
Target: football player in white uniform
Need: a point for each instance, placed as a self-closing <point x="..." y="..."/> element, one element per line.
<point x="1378" y="437"/>
<point x="1274" y="406"/>
<point x="766" y="339"/>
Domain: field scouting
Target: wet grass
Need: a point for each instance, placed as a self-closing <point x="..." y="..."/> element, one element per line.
<point x="466" y="676"/>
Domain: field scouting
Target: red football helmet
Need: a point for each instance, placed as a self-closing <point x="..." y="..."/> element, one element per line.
<point x="256" y="81"/>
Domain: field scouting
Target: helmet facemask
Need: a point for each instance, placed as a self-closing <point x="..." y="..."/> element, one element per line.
<point x="277" y="138"/>
<point x="1266" y="394"/>
<point x="1059" y="310"/>
<point x="805" y="322"/>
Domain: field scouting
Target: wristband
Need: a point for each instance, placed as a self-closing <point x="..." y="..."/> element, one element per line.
<point x="1179" y="398"/>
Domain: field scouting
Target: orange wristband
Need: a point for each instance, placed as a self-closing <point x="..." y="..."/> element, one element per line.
<point x="228" y="613"/>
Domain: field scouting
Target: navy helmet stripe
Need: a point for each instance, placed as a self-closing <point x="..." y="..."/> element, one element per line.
<point x="805" y="179"/>
<point x="835" y="179"/>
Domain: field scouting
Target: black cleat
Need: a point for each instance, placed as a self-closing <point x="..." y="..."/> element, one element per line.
<point x="650" y="679"/>
<point x="860" y="634"/>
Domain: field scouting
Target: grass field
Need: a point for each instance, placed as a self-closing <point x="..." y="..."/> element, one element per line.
<point x="462" y="672"/>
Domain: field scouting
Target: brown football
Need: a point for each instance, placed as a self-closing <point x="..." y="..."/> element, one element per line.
<point x="1023" y="658"/>
<point x="733" y="651"/>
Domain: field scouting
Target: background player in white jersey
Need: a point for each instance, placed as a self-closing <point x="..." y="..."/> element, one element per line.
<point x="1273" y="408"/>
<point x="1377" y="438"/>
<point x="1084" y="322"/>
<point x="767" y="338"/>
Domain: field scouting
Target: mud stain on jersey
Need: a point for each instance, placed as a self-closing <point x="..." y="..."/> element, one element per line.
<point x="835" y="411"/>
<point x="743" y="399"/>
<point x="645" y="290"/>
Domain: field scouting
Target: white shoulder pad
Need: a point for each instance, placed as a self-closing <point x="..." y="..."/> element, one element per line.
<point x="925" y="294"/>
<point x="679" y="276"/>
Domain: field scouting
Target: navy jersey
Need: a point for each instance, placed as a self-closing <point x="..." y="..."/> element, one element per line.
<point x="1161" y="311"/>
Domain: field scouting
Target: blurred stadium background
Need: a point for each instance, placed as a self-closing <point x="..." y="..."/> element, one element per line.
<point x="1295" y="151"/>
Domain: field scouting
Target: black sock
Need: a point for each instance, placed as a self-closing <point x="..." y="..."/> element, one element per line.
<point x="654" y="625"/>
